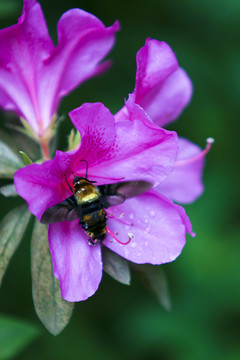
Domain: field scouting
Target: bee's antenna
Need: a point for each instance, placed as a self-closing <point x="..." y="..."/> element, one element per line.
<point x="86" y="176"/>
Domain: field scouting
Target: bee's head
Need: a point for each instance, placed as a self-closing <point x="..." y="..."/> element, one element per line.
<point x="78" y="180"/>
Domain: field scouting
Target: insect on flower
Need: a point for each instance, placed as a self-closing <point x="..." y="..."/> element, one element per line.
<point x="137" y="150"/>
<point x="88" y="203"/>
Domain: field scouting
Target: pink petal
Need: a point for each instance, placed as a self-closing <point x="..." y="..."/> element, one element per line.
<point x="184" y="184"/>
<point x="166" y="101"/>
<point x="155" y="62"/>
<point x="97" y="128"/>
<point x="155" y="224"/>
<point x="185" y="219"/>
<point x="41" y="185"/>
<point x="76" y="264"/>
<point x="162" y="89"/>
<point x="24" y="46"/>
<point x="83" y="41"/>
<point x="34" y="75"/>
<point x="130" y="150"/>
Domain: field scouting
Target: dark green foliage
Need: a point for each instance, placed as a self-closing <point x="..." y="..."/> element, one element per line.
<point x="15" y="335"/>
<point x="12" y="228"/>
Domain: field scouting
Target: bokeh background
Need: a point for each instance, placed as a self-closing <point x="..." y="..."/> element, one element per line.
<point x="124" y="322"/>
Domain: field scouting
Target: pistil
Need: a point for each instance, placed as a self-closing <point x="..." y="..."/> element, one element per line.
<point x="199" y="156"/>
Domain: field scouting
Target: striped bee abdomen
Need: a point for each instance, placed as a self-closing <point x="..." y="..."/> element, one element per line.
<point x="93" y="220"/>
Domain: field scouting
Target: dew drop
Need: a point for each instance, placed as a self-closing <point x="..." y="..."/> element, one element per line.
<point x="91" y="267"/>
<point x="131" y="216"/>
<point x="146" y="231"/>
<point x="133" y="244"/>
<point x="146" y="220"/>
<point x="152" y="214"/>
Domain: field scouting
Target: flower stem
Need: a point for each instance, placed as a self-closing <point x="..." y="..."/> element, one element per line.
<point x="45" y="148"/>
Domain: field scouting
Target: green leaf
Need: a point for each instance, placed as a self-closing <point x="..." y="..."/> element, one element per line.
<point x="12" y="228"/>
<point x="116" y="266"/>
<point x="52" y="310"/>
<point x="155" y="281"/>
<point x="26" y="158"/>
<point x="8" y="190"/>
<point x="9" y="160"/>
<point x="15" y="335"/>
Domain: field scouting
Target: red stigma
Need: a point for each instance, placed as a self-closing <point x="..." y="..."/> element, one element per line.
<point x="120" y="242"/>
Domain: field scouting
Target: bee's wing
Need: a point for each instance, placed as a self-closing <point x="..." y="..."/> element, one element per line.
<point x="65" y="210"/>
<point x="115" y="194"/>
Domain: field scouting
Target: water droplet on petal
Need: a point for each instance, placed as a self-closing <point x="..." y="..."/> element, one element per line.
<point x="146" y="220"/>
<point x="133" y="244"/>
<point x="152" y="214"/>
<point x="131" y="216"/>
<point x="146" y="231"/>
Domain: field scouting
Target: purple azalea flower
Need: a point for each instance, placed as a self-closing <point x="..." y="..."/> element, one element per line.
<point x="163" y="89"/>
<point x="35" y="74"/>
<point x="115" y="152"/>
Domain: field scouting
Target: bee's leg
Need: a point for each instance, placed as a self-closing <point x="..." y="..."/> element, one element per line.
<point x="91" y="241"/>
<point x="84" y="225"/>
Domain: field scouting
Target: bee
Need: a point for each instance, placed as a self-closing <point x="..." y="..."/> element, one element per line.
<point x="89" y="203"/>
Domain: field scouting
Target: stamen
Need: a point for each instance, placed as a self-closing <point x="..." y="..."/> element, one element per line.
<point x="130" y="235"/>
<point x="114" y="237"/>
<point x="111" y="216"/>
<point x="209" y="141"/>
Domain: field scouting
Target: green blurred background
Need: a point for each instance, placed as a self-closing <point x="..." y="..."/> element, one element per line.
<point x="123" y="322"/>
